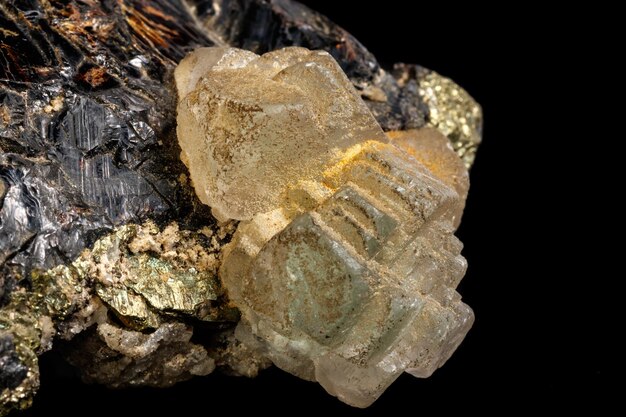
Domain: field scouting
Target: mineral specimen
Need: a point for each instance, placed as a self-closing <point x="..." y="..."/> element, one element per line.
<point x="345" y="264"/>
<point x="106" y="251"/>
<point x="270" y="125"/>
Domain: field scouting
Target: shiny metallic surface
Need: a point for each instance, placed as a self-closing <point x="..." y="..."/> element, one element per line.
<point x="88" y="147"/>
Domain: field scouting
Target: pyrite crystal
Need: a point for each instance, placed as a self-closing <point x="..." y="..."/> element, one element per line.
<point x="308" y="221"/>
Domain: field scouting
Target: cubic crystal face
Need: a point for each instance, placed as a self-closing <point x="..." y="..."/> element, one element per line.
<point x="344" y="264"/>
<point x="263" y="109"/>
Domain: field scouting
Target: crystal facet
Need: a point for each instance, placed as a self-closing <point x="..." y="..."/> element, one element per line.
<point x="345" y="264"/>
<point x="270" y="126"/>
<point x="107" y="254"/>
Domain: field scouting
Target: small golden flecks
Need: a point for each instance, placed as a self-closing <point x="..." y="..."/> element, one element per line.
<point x="453" y="112"/>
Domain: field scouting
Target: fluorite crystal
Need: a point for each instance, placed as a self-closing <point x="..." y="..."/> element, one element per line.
<point x="270" y="125"/>
<point x="108" y="254"/>
<point x="345" y="264"/>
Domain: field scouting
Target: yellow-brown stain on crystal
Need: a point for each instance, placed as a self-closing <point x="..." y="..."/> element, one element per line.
<point x="344" y="232"/>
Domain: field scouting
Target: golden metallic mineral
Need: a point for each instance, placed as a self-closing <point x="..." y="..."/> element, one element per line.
<point x="453" y="112"/>
<point x="344" y="265"/>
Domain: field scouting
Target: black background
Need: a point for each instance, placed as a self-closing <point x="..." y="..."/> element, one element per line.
<point x="534" y="343"/>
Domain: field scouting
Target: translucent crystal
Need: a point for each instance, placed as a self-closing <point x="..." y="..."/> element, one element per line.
<point x="262" y="111"/>
<point x="437" y="153"/>
<point x="345" y="264"/>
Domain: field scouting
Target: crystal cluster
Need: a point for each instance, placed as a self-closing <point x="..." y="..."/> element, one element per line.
<point x="108" y="255"/>
<point x="344" y="265"/>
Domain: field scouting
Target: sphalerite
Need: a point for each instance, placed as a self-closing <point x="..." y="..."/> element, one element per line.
<point x="336" y="190"/>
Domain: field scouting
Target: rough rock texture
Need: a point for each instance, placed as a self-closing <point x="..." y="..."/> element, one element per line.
<point x="146" y="276"/>
<point x="345" y="265"/>
<point x="88" y="146"/>
<point x="124" y="358"/>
